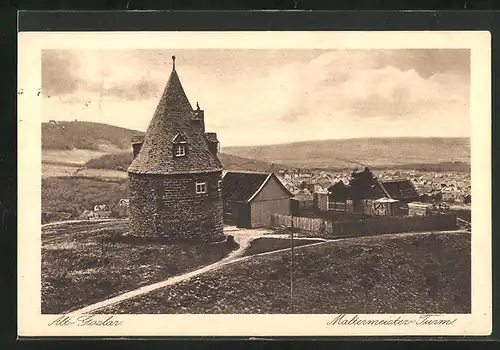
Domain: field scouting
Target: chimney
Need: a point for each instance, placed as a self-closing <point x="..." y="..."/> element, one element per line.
<point x="213" y="143"/>
<point x="137" y="142"/>
<point x="199" y="118"/>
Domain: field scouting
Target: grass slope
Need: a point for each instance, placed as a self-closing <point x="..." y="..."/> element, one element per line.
<point x="432" y="154"/>
<point x="265" y="244"/>
<point x="352" y="152"/>
<point x="413" y="273"/>
<point x="83" y="263"/>
<point x="86" y="143"/>
<point x="75" y="157"/>
<point x="75" y="194"/>
<point x="85" y="135"/>
<point x="114" y="161"/>
<point x="121" y="161"/>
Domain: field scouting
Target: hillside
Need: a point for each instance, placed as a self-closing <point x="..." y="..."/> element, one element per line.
<point x="102" y="146"/>
<point x="85" y="135"/>
<point x="232" y="162"/>
<point x="121" y="161"/>
<point x="373" y="152"/>
<point x="86" y="262"/>
<point x="403" y="273"/>
<point x="112" y="142"/>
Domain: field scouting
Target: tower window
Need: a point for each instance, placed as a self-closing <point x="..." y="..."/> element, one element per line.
<point x="179" y="145"/>
<point x="180" y="150"/>
<point x="201" y="187"/>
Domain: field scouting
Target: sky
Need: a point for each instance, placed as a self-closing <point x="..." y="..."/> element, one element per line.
<point x="254" y="97"/>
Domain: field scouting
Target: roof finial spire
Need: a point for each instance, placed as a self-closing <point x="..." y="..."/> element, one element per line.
<point x="173" y="60"/>
<point x="197" y="105"/>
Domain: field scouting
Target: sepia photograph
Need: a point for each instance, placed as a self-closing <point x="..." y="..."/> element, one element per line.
<point x="275" y="180"/>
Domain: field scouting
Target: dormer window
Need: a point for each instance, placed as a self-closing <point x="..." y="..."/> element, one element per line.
<point x="179" y="146"/>
<point x="180" y="150"/>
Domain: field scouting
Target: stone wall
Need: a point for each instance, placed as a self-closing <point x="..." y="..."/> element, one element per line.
<point x="168" y="206"/>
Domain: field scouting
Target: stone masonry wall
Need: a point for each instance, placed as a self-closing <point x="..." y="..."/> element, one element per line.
<point x="168" y="206"/>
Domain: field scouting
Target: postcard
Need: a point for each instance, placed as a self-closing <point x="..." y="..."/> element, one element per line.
<point x="254" y="183"/>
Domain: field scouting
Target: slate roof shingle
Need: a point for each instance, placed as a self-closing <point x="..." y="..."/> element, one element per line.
<point x="173" y="116"/>
<point x="242" y="186"/>
<point x="400" y="189"/>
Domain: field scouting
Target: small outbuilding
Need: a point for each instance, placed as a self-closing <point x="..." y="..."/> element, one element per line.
<point x="419" y="208"/>
<point x="386" y="207"/>
<point x="249" y="198"/>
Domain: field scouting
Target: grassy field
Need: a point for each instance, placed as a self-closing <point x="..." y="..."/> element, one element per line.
<point x="83" y="263"/>
<point x="121" y="161"/>
<point x="373" y="152"/>
<point x="69" y="170"/>
<point x="73" y="156"/>
<point x="115" y="161"/>
<point x="413" y="273"/>
<point x="264" y="244"/>
<point x="75" y="194"/>
<point x="71" y="182"/>
<point x="102" y="146"/>
<point x="435" y="154"/>
<point x="66" y="135"/>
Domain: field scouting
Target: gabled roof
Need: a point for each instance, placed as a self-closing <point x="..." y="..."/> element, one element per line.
<point x="242" y="187"/>
<point x="173" y="116"/>
<point x="179" y="138"/>
<point x="400" y="189"/>
<point x="372" y="190"/>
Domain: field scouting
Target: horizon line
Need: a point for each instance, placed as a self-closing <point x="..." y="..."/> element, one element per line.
<point x="288" y="142"/>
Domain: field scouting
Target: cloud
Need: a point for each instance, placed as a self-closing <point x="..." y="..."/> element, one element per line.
<point x="69" y="71"/>
<point x="270" y="97"/>
<point x="59" y="73"/>
<point x="357" y="82"/>
<point x="142" y="89"/>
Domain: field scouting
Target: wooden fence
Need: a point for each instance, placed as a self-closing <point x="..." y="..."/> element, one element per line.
<point x="371" y="226"/>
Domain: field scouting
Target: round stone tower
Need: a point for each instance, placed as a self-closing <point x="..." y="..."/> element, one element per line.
<point x="175" y="175"/>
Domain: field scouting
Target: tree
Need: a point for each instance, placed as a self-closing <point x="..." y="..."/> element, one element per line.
<point x="363" y="184"/>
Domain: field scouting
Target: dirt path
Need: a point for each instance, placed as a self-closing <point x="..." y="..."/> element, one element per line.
<point x="241" y="236"/>
<point x="58" y="223"/>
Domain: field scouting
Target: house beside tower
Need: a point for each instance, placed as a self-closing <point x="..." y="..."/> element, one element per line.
<point x="175" y="176"/>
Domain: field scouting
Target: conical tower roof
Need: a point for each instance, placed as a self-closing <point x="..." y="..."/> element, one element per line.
<point x="172" y="121"/>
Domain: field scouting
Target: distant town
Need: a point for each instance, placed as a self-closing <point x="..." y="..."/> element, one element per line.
<point x="450" y="187"/>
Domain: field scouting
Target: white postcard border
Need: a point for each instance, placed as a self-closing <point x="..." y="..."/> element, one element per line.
<point x="32" y="323"/>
